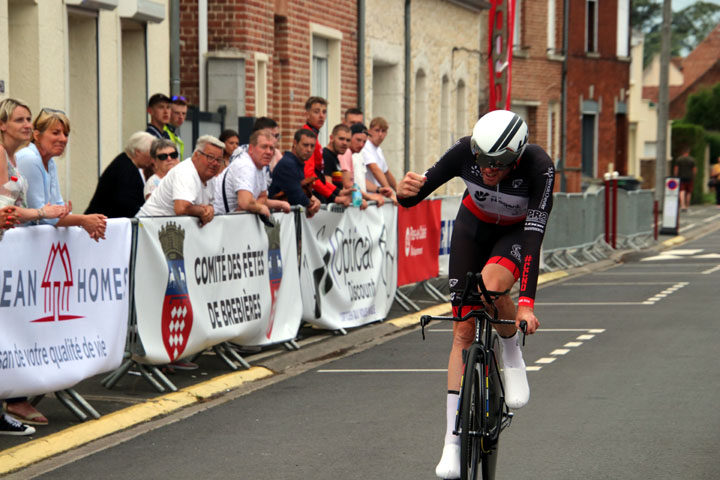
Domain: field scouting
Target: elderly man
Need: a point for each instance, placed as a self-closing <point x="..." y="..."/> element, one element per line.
<point x="119" y="191"/>
<point x="243" y="185"/>
<point x="288" y="175"/>
<point x="187" y="189"/>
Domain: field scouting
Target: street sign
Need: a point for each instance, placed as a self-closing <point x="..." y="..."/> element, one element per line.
<point x="670" y="221"/>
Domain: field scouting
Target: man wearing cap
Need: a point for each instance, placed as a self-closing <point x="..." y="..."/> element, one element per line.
<point x="159" y="111"/>
<point x="178" y="113"/>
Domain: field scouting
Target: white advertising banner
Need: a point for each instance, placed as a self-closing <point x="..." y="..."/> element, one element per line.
<point x="448" y="212"/>
<point x="198" y="287"/>
<point x="282" y="321"/>
<point x="63" y="306"/>
<point x="348" y="269"/>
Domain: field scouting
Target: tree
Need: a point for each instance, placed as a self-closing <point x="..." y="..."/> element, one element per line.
<point x="703" y="108"/>
<point x="689" y="27"/>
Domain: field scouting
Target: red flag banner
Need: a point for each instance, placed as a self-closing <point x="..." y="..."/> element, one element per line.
<point x="418" y="242"/>
<point x="500" y="45"/>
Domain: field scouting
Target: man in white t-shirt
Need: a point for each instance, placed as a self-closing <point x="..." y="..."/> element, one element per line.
<point x="187" y="189"/>
<point x="377" y="168"/>
<point x="243" y="185"/>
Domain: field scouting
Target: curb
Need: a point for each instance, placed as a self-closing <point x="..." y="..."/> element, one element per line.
<point x="31" y="452"/>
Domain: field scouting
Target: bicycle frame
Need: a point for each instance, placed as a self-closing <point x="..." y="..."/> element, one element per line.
<point x="483" y="353"/>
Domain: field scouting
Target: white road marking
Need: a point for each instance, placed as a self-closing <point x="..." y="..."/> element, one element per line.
<point x="685" y="251"/>
<point x="708" y="255"/>
<point x="533" y="368"/>
<point x="686" y="228"/>
<point x="613" y="284"/>
<point x="560" y="351"/>
<point x="654" y="274"/>
<point x="714" y="217"/>
<point x="711" y="270"/>
<point x="586" y="337"/>
<point x="385" y="370"/>
<point x="573" y="344"/>
<point x="546" y="360"/>
<point x="659" y="296"/>
<point x="596" y="304"/>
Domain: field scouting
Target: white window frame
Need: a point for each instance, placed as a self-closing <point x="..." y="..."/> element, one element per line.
<point x="334" y="80"/>
<point x="517" y="28"/>
<point x="261" y="84"/>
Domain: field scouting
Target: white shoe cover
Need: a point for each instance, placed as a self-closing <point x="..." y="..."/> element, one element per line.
<point x="517" y="390"/>
<point x="449" y="466"/>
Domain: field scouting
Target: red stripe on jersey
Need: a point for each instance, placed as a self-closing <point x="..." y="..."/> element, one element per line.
<point x="484" y="217"/>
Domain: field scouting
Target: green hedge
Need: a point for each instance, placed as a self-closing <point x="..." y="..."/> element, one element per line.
<point x="692" y="137"/>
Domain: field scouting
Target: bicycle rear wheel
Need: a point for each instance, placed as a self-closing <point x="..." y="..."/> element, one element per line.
<point x="470" y="417"/>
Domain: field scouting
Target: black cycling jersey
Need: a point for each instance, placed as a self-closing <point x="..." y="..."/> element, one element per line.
<point x="524" y="195"/>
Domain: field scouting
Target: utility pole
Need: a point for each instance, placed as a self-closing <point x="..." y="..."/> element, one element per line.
<point x="663" y="104"/>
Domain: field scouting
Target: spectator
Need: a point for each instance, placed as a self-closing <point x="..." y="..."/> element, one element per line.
<point x="243" y="186"/>
<point x="378" y="172"/>
<point x="289" y="175"/>
<point x="164" y="156"/>
<point x="159" y="110"/>
<point x="231" y="139"/>
<point x="15" y="131"/>
<point x="715" y="180"/>
<point x="119" y="192"/>
<point x="262" y="123"/>
<point x="51" y="130"/>
<point x="352" y="116"/>
<point x="187" y="189"/>
<point x="358" y="138"/>
<point x="339" y="142"/>
<point x="178" y="113"/>
<point x="685" y="169"/>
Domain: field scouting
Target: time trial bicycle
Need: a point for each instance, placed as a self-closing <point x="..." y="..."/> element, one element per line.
<point x="482" y="412"/>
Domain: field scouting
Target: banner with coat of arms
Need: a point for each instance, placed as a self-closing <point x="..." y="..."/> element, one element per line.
<point x="196" y="287"/>
<point x="64" y="302"/>
<point x="348" y="270"/>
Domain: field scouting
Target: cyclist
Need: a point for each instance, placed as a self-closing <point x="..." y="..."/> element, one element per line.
<point x="498" y="230"/>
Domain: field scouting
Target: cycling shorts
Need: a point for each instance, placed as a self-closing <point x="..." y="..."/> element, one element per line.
<point x="475" y="244"/>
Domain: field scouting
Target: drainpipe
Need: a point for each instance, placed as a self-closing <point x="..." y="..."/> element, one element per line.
<point x="175" y="47"/>
<point x="361" y="55"/>
<point x="202" y="52"/>
<point x="564" y="119"/>
<point x="408" y="73"/>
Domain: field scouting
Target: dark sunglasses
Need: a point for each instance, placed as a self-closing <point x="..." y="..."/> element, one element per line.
<point x="164" y="156"/>
<point x="175" y="98"/>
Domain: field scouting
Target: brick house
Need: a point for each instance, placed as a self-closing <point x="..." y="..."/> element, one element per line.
<point x="598" y="73"/>
<point x="266" y="58"/>
<point x="537" y="71"/>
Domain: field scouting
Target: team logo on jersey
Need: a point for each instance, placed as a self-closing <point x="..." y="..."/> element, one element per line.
<point x="537" y="216"/>
<point x="517" y="182"/>
<point x="515" y="252"/>
<point x="453" y="282"/>
<point x="475" y="170"/>
<point x="481" y="196"/>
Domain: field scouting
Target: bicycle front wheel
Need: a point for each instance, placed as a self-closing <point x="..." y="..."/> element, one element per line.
<point x="493" y="410"/>
<point x="470" y="417"/>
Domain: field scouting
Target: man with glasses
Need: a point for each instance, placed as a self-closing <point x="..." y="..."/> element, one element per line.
<point x="178" y="114"/>
<point x="187" y="189"/>
<point x="243" y="185"/>
<point x="159" y="111"/>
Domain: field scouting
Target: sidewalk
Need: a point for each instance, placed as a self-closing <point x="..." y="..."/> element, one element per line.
<point x="134" y="401"/>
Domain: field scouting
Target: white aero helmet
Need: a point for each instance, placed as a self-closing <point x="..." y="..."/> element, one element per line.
<point x="498" y="139"/>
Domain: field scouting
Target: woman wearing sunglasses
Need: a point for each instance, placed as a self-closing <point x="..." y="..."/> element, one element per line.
<point x="36" y="163"/>
<point x="164" y="156"/>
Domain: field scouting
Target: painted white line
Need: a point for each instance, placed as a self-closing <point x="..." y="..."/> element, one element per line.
<point x="560" y="351"/>
<point x="647" y="302"/>
<point x="711" y="270"/>
<point x="586" y="337"/>
<point x="686" y="228"/>
<point x="654" y="274"/>
<point x="685" y="251"/>
<point x="533" y="368"/>
<point x="573" y="344"/>
<point x="546" y="360"/>
<point x="570" y="304"/>
<point x="613" y="284"/>
<point x="597" y="330"/>
<point x="386" y="370"/>
<point x="571" y="330"/>
<point x="710" y="219"/>
<point x="708" y="255"/>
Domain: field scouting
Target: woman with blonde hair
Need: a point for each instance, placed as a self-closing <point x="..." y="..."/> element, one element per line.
<point x="16" y="131"/>
<point x="51" y="130"/>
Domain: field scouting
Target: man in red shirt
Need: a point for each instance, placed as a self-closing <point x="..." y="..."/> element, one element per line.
<point x="315" y="115"/>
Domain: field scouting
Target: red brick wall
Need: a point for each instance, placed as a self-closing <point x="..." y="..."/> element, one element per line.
<point x="535" y="77"/>
<point x="282" y="31"/>
<point x="609" y="76"/>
